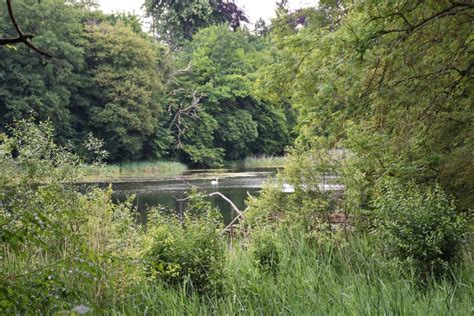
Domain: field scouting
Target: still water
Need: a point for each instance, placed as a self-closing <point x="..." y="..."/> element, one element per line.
<point x="235" y="184"/>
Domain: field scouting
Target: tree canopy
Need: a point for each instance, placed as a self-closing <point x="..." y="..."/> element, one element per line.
<point x="391" y="83"/>
<point x="145" y="99"/>
<point x="177" y="21"/>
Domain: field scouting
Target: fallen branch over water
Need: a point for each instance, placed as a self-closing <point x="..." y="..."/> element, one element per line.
<point x="222" y="196"/>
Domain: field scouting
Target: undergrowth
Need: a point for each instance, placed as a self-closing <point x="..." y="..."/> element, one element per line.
<point x="68" y="252"/>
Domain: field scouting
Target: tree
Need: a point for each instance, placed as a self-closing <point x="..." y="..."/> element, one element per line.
<point x="390" y="82"/>
<point x="124" y="90"/>
<point x="220" y="68"/>
<point x="177" y="21"/>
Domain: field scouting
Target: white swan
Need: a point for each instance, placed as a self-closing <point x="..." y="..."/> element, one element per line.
<point x="288" y="188"/>
<point x="215" y="182"/>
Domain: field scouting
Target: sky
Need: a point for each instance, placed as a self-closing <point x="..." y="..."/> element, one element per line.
<point x="253" y="8"/>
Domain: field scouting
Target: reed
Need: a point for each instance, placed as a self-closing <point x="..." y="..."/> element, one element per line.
<point x="258" y="162"/>
<point x="321" y="280"/>
<point x="131" y="169"/>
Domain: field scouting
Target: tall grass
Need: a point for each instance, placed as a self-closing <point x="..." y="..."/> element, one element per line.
<point x="258" y="162"/>
<point x="314" y="280"/>
<point x="131" y="169"/>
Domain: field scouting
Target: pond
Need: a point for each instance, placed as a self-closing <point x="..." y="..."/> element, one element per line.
<point x="234" y="184"/>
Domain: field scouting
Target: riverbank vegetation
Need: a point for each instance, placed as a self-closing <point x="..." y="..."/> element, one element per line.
<point x="103" y="172"/>
<point x="370" y="101"/>
<point x="73" y="251"/>
<point x="258" y="162"/>
<point x="110" y="172"/>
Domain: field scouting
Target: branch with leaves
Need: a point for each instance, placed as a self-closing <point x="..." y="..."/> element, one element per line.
<point x="22" y="37"/>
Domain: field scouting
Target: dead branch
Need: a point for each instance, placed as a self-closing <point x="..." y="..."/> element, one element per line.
<point x="234" y="207"/>
<point x="22" y="37"/>
<point x="183" y="111"/>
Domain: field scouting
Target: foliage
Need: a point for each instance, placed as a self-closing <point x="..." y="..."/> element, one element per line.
<point x="188" y="253"/>
<point x="177" y="21"/>
<point x="102" y="80"/>
<point x="83" y="252"/>
<point x="129" y="20"/>
<point x="258" y="162"/>
<point x="110" y="79"/>
<point x="266" y="252"/>
<point x="217" y="111"/>
<point x="312" y="174"/>
<point x="109" y="172"/>
<point x="390" y="83"/>
<point x="422" y="227"/>
<point x="28" y="84"/>
<point x="125" y="88"/>
<point x="382" y="91"/>
<point x="59" y="246"/>
<point x="330" y="280"/>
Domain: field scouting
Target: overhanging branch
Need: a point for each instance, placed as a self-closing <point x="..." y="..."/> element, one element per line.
<point x="22" y="37"/>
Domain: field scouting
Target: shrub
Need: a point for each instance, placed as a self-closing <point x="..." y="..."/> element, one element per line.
<point x="420" y="226"/>
<point x="59" y="244"/>
<point x="266" y="252"/>
<point x="190" y="253"/>
<point x="310" y="170"/>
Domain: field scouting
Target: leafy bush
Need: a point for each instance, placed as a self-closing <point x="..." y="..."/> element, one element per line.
<point x="190" y="253"/>
<point x="420" y="226"/>
<point x="59" y="245"/>
<point x="266" y="252"/>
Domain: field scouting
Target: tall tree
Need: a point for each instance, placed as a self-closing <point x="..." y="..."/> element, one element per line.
<point x="123" y="94"/>
<point x="220" y="70"/>
<point x="177" y="21"/>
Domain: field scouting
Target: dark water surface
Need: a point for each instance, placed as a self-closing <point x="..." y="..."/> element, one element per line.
<point x="235" y="184"/>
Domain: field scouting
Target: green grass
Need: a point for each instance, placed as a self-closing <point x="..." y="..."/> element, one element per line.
<point x="258" y="162"/>
<point x="131" y="169"/>
<point x="328" y="280"/>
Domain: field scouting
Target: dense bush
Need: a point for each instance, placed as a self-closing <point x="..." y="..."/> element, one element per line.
<point x="266" y="252"/>
<point x="421" y="226"/>
<point x="190" y="252"/>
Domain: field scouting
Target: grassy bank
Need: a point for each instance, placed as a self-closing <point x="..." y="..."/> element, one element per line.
<point x="258" y="162"/>
<point x="164" y="168"/>
<point x="68" y="250"/>
<point x="131" y="169"/>
<point x="326" y="279"/>
<point x="313" y="280"/>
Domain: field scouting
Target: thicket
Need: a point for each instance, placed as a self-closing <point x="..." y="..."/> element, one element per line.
<point x="188" y="252"/>
<point x="422" y="226"/>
